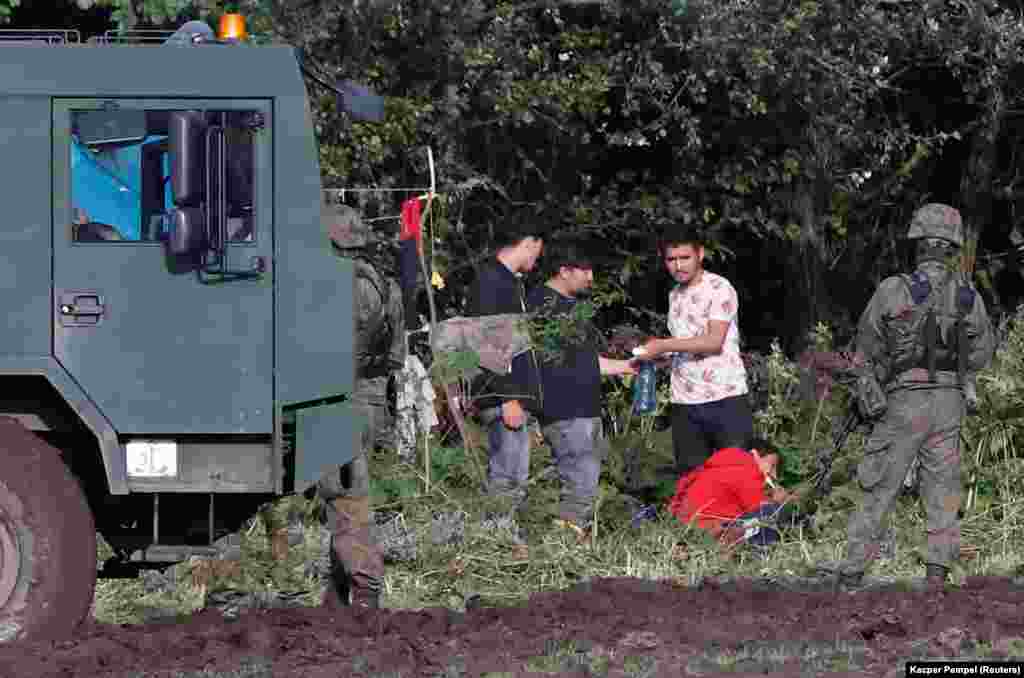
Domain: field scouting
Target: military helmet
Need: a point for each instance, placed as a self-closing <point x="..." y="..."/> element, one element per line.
<point x="936" y="220"/>
<point x="345" y="226"/>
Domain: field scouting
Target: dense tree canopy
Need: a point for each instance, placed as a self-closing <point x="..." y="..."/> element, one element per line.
<point x="800" y="134"/>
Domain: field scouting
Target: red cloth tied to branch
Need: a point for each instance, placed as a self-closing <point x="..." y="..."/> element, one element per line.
<point x="411" y="227"/>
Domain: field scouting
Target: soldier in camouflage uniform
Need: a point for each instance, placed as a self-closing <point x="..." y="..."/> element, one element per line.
<point x="357" y="563"/>
<point x="926" y="336"/>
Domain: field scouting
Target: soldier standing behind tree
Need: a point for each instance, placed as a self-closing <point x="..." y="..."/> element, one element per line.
<point x="924" y="336"/>
<point x="357" y="564"/>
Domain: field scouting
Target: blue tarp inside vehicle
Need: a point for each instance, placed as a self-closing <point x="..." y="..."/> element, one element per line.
<point x="107" y="184"/>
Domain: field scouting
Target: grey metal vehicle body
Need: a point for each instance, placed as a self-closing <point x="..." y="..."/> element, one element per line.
<point x="191" y="360"/>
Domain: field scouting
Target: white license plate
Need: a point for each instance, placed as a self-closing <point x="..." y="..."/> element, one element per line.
<point x="152" y="458"/>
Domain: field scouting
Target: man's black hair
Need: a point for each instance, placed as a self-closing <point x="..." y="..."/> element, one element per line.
<point x="568" y="255"/>
<point x="764" y="447"/>
<point x="522" y="223"/>
<point x="677" y="236"/>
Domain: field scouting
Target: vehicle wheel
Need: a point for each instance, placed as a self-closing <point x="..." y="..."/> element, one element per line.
<point x="47" y="540"/>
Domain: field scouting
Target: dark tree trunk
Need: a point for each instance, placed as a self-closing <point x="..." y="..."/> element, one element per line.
<point x="133" y="11"/>
<point x="808" y="297"/>
<point x="976" y="184"/>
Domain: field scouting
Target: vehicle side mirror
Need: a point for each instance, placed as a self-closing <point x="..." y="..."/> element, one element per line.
<point x="187" y="231"/>
<point x="187" y="149"/>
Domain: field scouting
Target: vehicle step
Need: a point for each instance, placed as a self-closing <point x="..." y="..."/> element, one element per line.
<point x="167" y="553"/>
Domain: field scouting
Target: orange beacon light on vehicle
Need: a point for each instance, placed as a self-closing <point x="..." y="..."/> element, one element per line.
<point x="232" y="27"/>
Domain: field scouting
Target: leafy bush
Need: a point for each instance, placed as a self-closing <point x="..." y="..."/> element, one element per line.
<point x="782" y="414"/>
<point x="448" y="465"/>
<point x="552" y="332"/>
<point x="393" y="489"/>
<point x="994" y="435"/>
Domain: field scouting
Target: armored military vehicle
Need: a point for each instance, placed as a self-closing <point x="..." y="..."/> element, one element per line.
<point x="179" y="332"/>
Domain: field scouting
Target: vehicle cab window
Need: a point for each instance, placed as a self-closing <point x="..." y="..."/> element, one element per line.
<point x="122" y="165"/>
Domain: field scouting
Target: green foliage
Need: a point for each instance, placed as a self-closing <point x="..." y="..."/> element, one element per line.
<point x="386" y="490"/>
<point x="617" y="405"/>
<point x="782" y="414"/>
<point x="799" y="124"/>
<point x="448" y="465"/>
<point x="554" y="333"/>
<point x="156" y="11"/>
<point x="448" y="368"/>
<point x="994" y="436"/>
<point x="551" y="334"/>
<point x="445" y="574"/>
<point x="6" y="7"/>
<point x="129" y="14"/>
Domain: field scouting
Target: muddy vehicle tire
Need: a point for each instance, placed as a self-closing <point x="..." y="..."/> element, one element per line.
<point x="47" y="540"/>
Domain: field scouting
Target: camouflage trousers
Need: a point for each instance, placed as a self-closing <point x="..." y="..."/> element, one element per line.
<point x="922" y="424"/>
<point x="346" y="493"/>
<point x="375" y="393"/>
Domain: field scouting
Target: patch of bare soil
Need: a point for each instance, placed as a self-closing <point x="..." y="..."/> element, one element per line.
<point x="610" y="627"/>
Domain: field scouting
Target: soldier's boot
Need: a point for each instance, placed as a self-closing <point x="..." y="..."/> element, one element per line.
<point x="936" y="576"/>
<point x="366" y="593"/>
<point x="338" y="592"/>
<point x="848" y="582"/>
<point x="361" y="561"/>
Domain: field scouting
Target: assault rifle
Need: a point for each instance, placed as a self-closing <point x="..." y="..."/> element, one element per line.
<point x="850" y="424"/>
<point x="868" y="403"/>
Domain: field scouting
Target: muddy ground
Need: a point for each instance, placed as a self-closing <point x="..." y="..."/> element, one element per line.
<point x="611" y="627"/>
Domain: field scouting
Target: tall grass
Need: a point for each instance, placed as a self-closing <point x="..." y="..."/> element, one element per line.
<point x="485" y="562"/>
<point x="992" y="438"/>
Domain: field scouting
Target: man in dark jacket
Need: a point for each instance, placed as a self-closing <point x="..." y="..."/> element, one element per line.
<point x="571" y="379"/>
<point x="503" y="400"/>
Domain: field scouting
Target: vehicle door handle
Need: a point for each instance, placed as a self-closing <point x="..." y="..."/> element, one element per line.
<point x="82" y="308"/>
<point x="77" y="308"/>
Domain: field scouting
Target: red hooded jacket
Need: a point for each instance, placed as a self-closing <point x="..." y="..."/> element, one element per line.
<point x="723" y="488"/>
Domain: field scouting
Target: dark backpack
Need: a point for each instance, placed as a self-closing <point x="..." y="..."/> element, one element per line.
<point x="917" y="339"/>
<point x="372" y="350"/>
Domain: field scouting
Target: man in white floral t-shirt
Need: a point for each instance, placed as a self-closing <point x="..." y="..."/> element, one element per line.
<point x="710" y="410"/>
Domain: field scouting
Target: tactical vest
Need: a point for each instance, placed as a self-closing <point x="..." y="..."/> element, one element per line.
<point x="931" y="334"/>
<point x="373" y="346"/>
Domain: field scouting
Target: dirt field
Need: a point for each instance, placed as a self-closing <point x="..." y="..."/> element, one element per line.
<point x="614" y="627"/>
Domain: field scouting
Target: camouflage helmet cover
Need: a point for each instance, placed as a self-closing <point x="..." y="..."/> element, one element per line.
<point x="345" y="226"/>
<point x="936" y="220"/>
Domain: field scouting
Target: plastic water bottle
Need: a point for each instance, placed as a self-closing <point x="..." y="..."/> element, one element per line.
<point x="645" y="389"/>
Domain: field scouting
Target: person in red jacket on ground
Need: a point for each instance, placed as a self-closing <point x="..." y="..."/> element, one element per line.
<point x="731" y="490"/>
